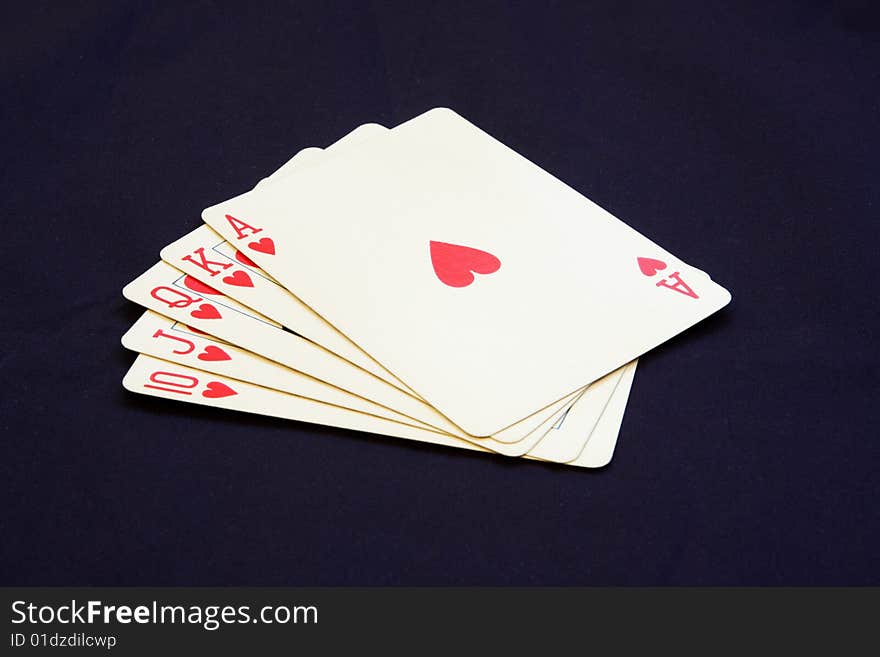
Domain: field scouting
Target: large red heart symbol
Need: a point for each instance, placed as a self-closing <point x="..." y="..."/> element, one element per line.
<point x="649" y="266"/>
<point x="455" y="265"/>
<point x="213" y="353"/>
<point x="215" y="389"/>
<point x="263" y="245"/>
<point x="206" y="311"/>
<point x="239" y="278"/>
<point x="196" y="285"/>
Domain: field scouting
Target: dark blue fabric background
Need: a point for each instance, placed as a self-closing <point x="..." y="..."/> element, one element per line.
<point x="743" y="136"/>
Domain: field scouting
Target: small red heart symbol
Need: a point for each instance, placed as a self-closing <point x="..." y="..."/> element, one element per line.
<point x="213" y="353"/>
<point x="215" y="389"/>
<point x="264" y="245"/>
<point x="243" y="259"/>
<point x="239" y="278"/>
<point x="454" y="264"/>
<point x="206" y="311"/>
<point x="649" y="266"/>
<point x="196" y="285"/>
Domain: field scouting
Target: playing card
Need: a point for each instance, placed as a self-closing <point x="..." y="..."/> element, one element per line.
<point x="442" y="254"/>
<point x="159" y="336"/>
<point x="160" y="378"/>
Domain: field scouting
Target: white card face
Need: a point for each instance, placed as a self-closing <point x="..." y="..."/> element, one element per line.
<point x="443" y="254"/>
<point x="178" y="296"/>
<point x="159" y="378"/>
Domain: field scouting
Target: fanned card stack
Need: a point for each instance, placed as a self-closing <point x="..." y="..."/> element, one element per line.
<point x="423" y="282"/>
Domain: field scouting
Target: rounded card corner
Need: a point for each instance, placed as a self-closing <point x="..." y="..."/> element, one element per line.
<point x="443" y="110"/>
<point x="127" y="385"/>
